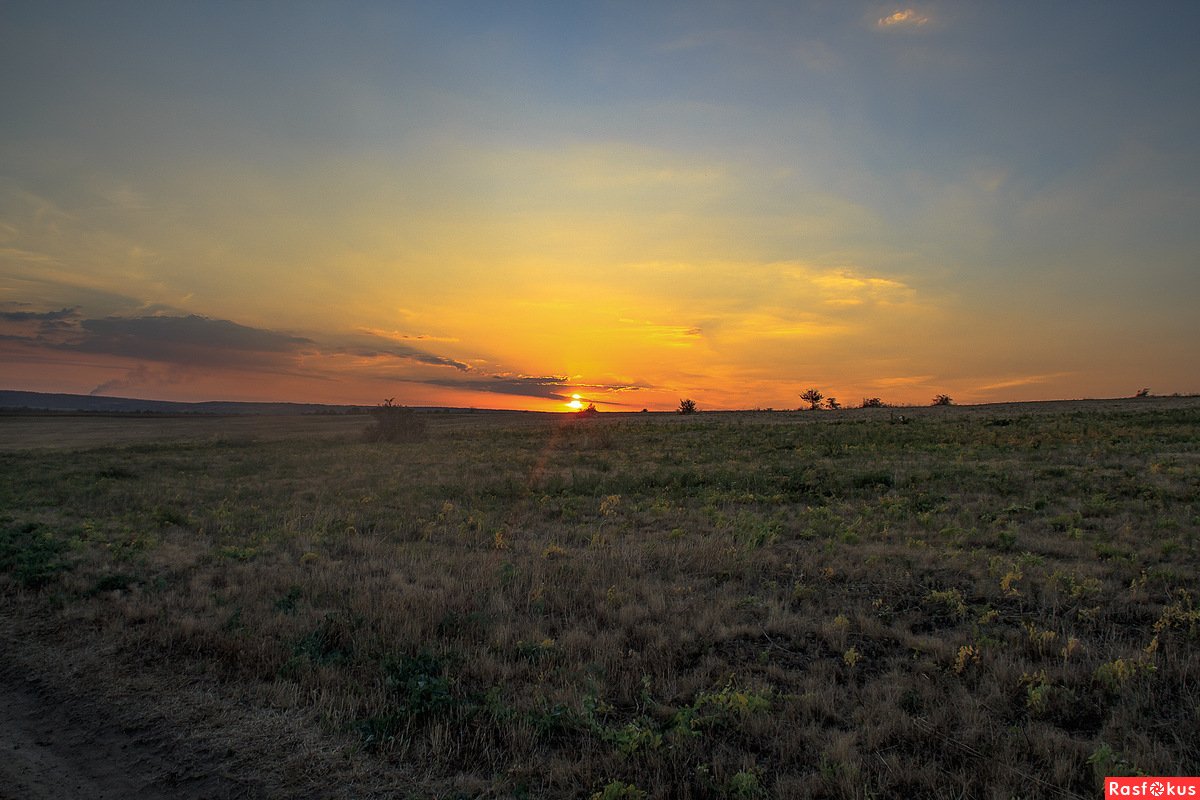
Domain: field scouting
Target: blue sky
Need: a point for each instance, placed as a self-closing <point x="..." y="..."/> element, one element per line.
<point x="726" y="201"/>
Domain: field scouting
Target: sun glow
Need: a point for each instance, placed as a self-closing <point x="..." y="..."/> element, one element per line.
<point x="575" y="404"/>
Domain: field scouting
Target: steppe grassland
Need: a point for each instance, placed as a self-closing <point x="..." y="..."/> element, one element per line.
<point x="727" y="605"/>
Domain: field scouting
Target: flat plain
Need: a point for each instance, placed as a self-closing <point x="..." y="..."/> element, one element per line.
<point x="988" y="601"/>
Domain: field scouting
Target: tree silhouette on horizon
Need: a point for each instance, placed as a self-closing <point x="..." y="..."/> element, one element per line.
<point x="813" y="397"/>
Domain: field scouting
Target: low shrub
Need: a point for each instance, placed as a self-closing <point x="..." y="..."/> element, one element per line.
<point x="395" y="423"/>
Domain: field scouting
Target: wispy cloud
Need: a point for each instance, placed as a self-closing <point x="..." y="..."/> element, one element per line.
<point x="16" y="254"/>
<point x="550" y="387"/>
<point x="671" y="335"/>
<point x="689" y="41"/>
<point x="141" y="375"/>
<point x="903" y="18"/>
<point x="902" y="381"/>
<point x="1023" y="380"/>
<point x="609" y="168"/>
<point x="612" y="387"/>
<point x="844" y="288"/>
<point x="400" y="336"/>
<point x="397" y="351"/>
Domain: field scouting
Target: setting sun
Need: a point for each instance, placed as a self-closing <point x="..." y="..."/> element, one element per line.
<point x="575" y="404"/>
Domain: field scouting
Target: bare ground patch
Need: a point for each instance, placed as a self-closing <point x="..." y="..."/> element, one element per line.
<point x="79" y="725"/>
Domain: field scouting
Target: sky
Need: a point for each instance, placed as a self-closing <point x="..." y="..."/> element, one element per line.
<point x="506" y="204"/>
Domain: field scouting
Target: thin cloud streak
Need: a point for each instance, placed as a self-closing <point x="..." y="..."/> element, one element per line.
<point x="141" y="375"/>
<point x="551" y="387"/>
<point x="398" y="336"/>
<point x="1025" y="380"/>
<point x="405" y="354"/>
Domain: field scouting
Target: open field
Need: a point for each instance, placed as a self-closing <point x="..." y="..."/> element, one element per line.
<point x="986" y="602"/>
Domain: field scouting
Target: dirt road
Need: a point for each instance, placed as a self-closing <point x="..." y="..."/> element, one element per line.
<point x="57" y="748"/>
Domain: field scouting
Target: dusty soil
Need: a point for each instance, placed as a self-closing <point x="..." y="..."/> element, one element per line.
<point x="55" y="746"/>
<point x="78" y="723"/>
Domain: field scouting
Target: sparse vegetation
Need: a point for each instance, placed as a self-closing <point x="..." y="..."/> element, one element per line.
<point x="687" y="406"/>
<point x="832" y="403"/>
<point x="813" y="398"/>
<point x="395" y="423"/>
<point x="873" y="402"/>
<point x="31" y="554"/>
<point x="746" y="606"/>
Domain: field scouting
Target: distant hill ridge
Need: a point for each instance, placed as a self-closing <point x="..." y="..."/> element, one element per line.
<point x="41" y="401"/>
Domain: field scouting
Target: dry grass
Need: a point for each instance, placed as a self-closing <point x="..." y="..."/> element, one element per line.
<point x="983" y="602"/>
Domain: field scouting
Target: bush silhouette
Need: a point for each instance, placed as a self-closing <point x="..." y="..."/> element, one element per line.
<point x="687" y="406"/>
<point x="873" y="402"/>
<point x="832" y="403"/>
<point x="395" y="423"/>
<point x="943" y="400"/>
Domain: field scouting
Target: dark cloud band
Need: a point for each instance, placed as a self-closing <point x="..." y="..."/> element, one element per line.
<point x="38" y="316"/>
<point x="180" y="343"/>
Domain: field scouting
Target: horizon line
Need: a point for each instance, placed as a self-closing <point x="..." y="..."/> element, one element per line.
<point x="488" y="409"/>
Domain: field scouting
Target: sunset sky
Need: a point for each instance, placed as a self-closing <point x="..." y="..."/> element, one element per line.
<point x="502" y="205"/>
